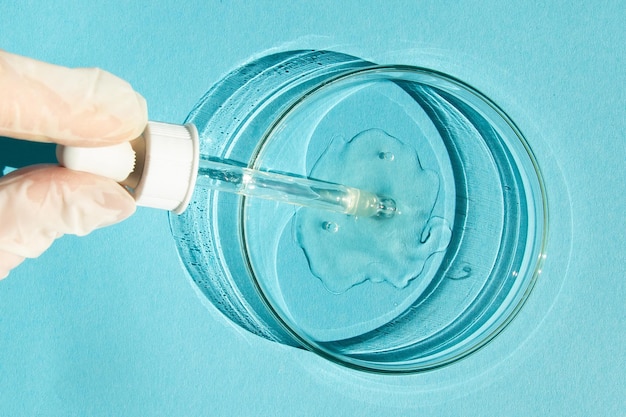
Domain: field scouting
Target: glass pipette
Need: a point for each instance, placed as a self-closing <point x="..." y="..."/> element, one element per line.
<point x="292" y="189"/>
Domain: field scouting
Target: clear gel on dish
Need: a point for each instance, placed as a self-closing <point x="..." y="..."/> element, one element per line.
<point x="360" y="249"/>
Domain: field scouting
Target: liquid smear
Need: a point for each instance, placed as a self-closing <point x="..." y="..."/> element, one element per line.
<point x="342" y="250"/>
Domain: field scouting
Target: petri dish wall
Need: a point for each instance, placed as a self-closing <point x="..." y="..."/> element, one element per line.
<point x="414" y="292"/>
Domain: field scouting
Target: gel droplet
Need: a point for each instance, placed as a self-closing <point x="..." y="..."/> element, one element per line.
<point x="386" y="156"/>
<point x="331" y="227"/>
<point x="394" y="249"/>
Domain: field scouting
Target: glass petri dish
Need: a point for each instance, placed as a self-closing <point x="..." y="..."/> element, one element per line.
<point x="383" y="297"/>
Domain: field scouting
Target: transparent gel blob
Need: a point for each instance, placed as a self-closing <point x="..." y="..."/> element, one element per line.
<point x="342" y="250"/>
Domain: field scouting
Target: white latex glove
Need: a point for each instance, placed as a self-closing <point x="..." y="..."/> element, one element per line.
<point x="81" y="107"/>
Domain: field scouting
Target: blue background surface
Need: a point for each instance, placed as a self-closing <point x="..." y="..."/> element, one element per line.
<point x="109" y="324"/>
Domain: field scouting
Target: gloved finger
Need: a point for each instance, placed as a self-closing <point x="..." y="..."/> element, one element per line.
<point x="41" y="203"/>
<point x="79" y="107"/>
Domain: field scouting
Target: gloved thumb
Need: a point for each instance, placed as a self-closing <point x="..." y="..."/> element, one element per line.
<point x="41" y="203"/>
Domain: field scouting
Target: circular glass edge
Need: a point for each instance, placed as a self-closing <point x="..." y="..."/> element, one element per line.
<point x="434" y="75"/>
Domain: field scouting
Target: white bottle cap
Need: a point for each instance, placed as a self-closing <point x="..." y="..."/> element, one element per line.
<point x="170" y="167"/>
<point x="168" y="170"/>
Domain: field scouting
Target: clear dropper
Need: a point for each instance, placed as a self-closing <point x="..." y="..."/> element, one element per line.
<point x="163" y="166"/>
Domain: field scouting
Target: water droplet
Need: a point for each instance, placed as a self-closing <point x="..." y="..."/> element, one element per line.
<point x="331" y="227"/>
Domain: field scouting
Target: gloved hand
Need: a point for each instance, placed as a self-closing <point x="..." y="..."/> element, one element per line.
<point x="80" y="107"/>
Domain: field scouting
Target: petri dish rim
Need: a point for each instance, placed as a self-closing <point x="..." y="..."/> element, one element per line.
<point x="451" y="85"/>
